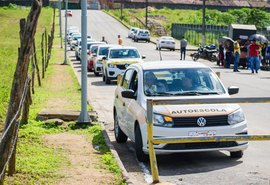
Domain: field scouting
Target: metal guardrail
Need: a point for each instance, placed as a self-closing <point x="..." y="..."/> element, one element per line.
<point x="166" y="140"/>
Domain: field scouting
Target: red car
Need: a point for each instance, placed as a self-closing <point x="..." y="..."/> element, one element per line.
<point x="69" y="13"/>
<point x="90" y="65"/>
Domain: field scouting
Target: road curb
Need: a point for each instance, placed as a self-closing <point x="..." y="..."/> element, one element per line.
<point x="125" y="174"/>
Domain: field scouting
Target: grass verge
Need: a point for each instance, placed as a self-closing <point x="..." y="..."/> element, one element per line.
<point x="38" y="163"/>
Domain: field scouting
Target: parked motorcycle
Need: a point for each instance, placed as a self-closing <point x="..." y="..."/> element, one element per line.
<point x="207" y="52"/>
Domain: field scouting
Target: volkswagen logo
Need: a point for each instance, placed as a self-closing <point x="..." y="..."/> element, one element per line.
<point x="126" y="65"/>
<point x="201" y="121"/>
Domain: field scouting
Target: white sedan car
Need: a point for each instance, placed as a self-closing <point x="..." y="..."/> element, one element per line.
<point x="174" y="80"/>
<point x="166" y="43"/>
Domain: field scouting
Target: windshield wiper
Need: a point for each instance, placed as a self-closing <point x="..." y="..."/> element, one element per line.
<point x="195" y="93"/>
<point x="160" y="94"/>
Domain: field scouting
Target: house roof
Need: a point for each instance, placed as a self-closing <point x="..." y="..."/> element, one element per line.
<point x="243" y="26"/>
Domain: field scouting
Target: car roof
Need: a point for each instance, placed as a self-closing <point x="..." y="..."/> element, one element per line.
<point x="123" y="47"/>
<point x="109" y="45"/>
<point x="165" y="37"/>
<point x="169" y="64"/>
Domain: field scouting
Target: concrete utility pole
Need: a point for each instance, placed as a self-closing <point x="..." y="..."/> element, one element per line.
<point x="60" y="21"/>
<point x="121" y="10"/>
<point x="203" y="24"/>
<point x="65" y="59"/>
<point x="84" y="116"/>
<point x="146" y="14"/>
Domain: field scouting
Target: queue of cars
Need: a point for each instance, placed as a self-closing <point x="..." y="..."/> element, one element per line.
<point x="167" y="80"/>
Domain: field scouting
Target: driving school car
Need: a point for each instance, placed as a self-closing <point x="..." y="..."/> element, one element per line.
<point x="117" y="60"/>
<point x="174" y="80"/>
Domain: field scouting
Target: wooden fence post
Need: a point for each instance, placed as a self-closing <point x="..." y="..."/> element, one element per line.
<point x="33" y="74"/>
<point x="26" y="106"/>
<point x="27" y="33"/>
<point x="42" y="55"/>
<point x="36" y="63"/>
<point x="46" y="47"/>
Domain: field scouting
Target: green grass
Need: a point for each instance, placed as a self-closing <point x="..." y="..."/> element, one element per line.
<point x="9" y="36"/>
<point x="37" y="163"/>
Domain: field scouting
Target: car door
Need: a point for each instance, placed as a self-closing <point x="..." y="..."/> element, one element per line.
<point x="121" y="102"/>
<point x="131" y="106"/>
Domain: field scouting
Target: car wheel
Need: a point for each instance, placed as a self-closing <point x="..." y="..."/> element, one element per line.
<point x="119" y="135"/>
<point x="103" y="77"/>
<point x="237" y="154"/>
<point x="107" y="80"/>
<point x="141" y="156"/>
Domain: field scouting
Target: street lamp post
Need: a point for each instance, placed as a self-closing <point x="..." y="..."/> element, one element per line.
<point x="84" y="118"/>
<point x="65" y="59"/>
<point x="60" y="21"/>
<point x="203" y="24"/>
<point x="121" y="10"/>
<point x="146" y="13"/>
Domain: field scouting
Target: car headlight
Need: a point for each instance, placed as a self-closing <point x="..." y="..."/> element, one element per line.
<point x="236" y="117"/>
<point x="110" y="66"/>
<point x="163" y="121"/>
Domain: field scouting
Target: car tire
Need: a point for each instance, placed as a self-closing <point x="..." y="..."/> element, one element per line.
<point x="107" y="80"/>
<point x="103" y="77"/>
<point x="141" y="156"/>
<point x="237" y="154"/>
<point x="96" y="73"/>
<point x="119" y="135"/>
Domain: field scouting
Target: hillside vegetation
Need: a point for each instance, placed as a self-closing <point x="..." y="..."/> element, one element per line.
<point x="166" y="16"/>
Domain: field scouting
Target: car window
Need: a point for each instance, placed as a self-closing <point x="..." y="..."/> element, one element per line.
<point x="124" y="53"/>
<point x="127" y="78"/>
<point x="94" y="49"/>
<point x="177" y="82"/>
<point x="134" y="82"/>
<point x="103" y="51"/>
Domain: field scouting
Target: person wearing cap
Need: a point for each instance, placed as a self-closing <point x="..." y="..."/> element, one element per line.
<point x="254" y="50"/>
<point x="236" y="54"/>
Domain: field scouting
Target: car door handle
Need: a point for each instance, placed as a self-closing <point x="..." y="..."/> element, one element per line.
<point x="124" y="104"/>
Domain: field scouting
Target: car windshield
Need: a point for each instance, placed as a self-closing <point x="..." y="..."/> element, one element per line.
<point x="181" y="82"/>
<point x="94" y="49"/>
<point x="103" y="50"/>
<point x="124" y="53"/>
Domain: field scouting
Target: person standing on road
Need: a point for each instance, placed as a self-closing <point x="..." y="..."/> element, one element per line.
<point x="120" y="40"/>
<point x="254" y="50"/>
<point x="103" y="40"/>
<point x="183" y="46"/>
<point x="221" y="54"/>
<point x="236" y="55"/>
<point x="228" y="55"/>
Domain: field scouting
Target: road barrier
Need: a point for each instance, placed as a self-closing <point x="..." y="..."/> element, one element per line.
<point x="170" y="140"/>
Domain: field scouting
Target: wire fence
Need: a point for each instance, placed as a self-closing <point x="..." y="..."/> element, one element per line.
<point x="14" y="121"/>
<point x="19" y="114"/>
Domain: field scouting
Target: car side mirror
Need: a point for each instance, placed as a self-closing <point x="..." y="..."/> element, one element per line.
<point x="128" y="94"/>
<point x="143" y="56"/>
<point x="233" y="90"/>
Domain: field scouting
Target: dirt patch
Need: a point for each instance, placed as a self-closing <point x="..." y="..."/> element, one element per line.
<point x="83" y="168"/>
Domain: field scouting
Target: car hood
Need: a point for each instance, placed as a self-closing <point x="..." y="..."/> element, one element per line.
<point x="191" y="110"/>
<point x="196" y="110"/>
<point x="125" y="60"/>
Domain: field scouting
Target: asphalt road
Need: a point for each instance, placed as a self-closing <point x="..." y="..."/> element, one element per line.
<point x="189" y="168"/>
